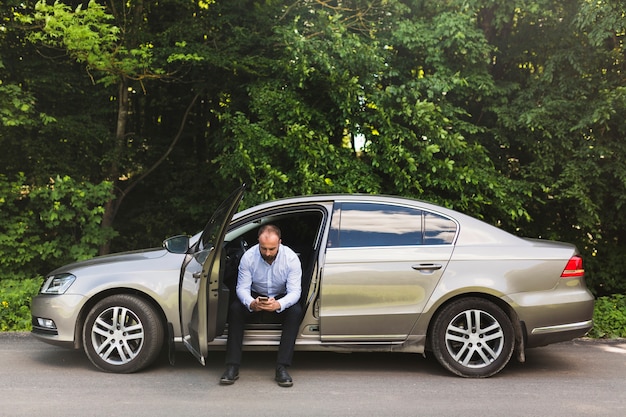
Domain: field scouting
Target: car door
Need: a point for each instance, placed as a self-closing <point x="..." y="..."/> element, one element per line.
<point x="382" y="263"/>
<point x="203" y="299"/>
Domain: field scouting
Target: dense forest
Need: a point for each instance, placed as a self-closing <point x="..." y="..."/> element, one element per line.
<point x="124" y="122"/>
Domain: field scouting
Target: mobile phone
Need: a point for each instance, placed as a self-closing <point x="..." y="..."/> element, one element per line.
<point x="263" y="299"/>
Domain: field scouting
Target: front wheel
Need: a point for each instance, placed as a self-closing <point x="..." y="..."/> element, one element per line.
<point x="473" y="337"/>
<point x="122" y="334"/>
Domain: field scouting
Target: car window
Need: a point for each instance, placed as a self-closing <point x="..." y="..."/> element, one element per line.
<point x="372" y="224"/>
<point x="438" y="230"/>
<point x="217" y="223"/>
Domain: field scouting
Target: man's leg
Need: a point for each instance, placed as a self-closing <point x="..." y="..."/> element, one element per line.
<point x="291" y="323"/>
<point x="238" y="316"/>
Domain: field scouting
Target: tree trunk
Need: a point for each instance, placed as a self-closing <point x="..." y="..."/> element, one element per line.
<point x="111" y="206"/>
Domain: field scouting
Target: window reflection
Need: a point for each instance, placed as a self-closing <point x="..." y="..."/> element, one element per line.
<point x="438" y="230"/>
<point x="371" y="224"/>
<point x="364" y="224"/>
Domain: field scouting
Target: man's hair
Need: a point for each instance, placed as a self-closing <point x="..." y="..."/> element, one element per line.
<point x="269" y="228"/>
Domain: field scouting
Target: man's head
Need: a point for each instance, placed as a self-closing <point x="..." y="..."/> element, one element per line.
<point x="269" y="241"/>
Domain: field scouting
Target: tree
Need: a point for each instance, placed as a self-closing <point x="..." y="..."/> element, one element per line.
<point x="113" y="56"/>
<point x="374" y="72"/>
<point x="558" y="127"/>
<point x="509" y="111"/>
<point x="44" y="227"/>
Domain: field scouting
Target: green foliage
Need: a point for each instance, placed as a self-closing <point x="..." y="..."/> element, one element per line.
<point x="88" y="37"/>
<point x="17" y="107"/>
<point x="604" y="269"/>
<point x="609" y="317"/>
<point x="15" y="299"/>
<point x="42" y="227"/>
<point x="560" y="128"/>
<point x="390" y="85"/>
<point x="509" y="111"/>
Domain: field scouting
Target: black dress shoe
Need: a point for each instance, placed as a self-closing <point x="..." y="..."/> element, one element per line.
<point x="230" y="375"/>
<point x="282" y="377"/>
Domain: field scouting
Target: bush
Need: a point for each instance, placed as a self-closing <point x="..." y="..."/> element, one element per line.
<point x="42" y="227"/>
<point x="15" y="298"/>
<point x="604" y="274"/>
<point x="609" y="317"/>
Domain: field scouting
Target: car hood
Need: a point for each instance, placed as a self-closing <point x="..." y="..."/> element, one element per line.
<point x="117" y="259"/>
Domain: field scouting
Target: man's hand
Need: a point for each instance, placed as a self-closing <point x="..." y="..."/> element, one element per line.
<point x="270" y="305"/>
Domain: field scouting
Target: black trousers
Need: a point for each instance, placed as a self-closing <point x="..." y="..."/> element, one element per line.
<point x="240" y="315"/>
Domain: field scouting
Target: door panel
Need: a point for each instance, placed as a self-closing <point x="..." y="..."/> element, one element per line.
<point x="382" y="264"/>
<point x="200" y="287"/>
<point x="377" y="294"/>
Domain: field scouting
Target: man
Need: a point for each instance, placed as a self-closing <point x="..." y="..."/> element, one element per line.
<point x="269" y="280"/>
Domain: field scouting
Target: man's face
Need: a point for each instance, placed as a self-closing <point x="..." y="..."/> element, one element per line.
<point x="268" y="245"/>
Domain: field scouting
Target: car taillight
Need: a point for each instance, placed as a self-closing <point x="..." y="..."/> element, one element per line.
<point x="574" y="268"/>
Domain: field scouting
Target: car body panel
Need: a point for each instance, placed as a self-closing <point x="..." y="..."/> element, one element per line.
<point x="201" y="281"/>
<point x="376" y="294"/>
<point x="154" y="273"/>
<point x="193" y="317"/>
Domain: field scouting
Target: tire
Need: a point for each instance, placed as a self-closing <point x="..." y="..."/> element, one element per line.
<point x="473" y="338"/>
<point x="122" y="334"/>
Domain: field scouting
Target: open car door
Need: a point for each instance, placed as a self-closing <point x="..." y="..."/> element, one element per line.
<point x="203" y="309"/>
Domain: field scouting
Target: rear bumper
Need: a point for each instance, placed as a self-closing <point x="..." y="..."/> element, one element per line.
<point x="554" y="316"/>
<point x="542" y="336"/>
<point x="580" y="326"/>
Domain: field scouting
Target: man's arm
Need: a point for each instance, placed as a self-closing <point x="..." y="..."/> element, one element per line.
<point x="294" y="283"/>
<point x="244" y="281"/>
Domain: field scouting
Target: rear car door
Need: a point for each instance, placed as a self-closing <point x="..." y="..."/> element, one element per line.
<point x="382" y="263"/>
<point x="203" y="299"/>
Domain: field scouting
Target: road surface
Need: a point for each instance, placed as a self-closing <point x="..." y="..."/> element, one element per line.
<point x="579" y="378"/>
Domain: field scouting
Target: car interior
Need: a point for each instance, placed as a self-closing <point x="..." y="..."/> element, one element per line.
<point x="301" y="231"/>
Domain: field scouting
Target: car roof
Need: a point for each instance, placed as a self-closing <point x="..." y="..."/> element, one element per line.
<point x="472" y="230"/>
<point x="329" y="198"/>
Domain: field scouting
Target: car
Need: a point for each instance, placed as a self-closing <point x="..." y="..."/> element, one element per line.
<point x="380" y="273"/>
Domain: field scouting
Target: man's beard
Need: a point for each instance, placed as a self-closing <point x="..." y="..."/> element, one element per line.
<point x="269" y="259"/>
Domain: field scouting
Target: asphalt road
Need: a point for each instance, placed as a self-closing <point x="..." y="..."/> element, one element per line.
<point x="579" y="378"/>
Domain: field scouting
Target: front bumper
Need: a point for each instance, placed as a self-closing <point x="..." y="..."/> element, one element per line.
<point x="54" y="318"/>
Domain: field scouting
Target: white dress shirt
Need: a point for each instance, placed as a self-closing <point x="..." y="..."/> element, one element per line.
<point x="283" y="276"/>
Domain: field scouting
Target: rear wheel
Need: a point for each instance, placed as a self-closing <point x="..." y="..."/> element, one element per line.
<point x="123" y="334"/>
<point x="473" y="337"/>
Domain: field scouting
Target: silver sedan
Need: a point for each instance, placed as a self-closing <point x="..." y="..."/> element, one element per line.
<point x="380" y="273"/>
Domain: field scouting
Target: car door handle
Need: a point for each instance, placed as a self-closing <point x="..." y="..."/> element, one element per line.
<point x="427" y="267"/>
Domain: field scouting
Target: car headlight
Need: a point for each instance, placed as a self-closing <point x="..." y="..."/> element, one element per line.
<point x="57" y="284"/>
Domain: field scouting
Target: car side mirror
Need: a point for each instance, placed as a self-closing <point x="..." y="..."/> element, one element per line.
<point x="177" y="244"/>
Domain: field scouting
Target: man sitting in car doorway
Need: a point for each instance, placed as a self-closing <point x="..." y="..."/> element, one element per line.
<point x="269" y="280"/>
